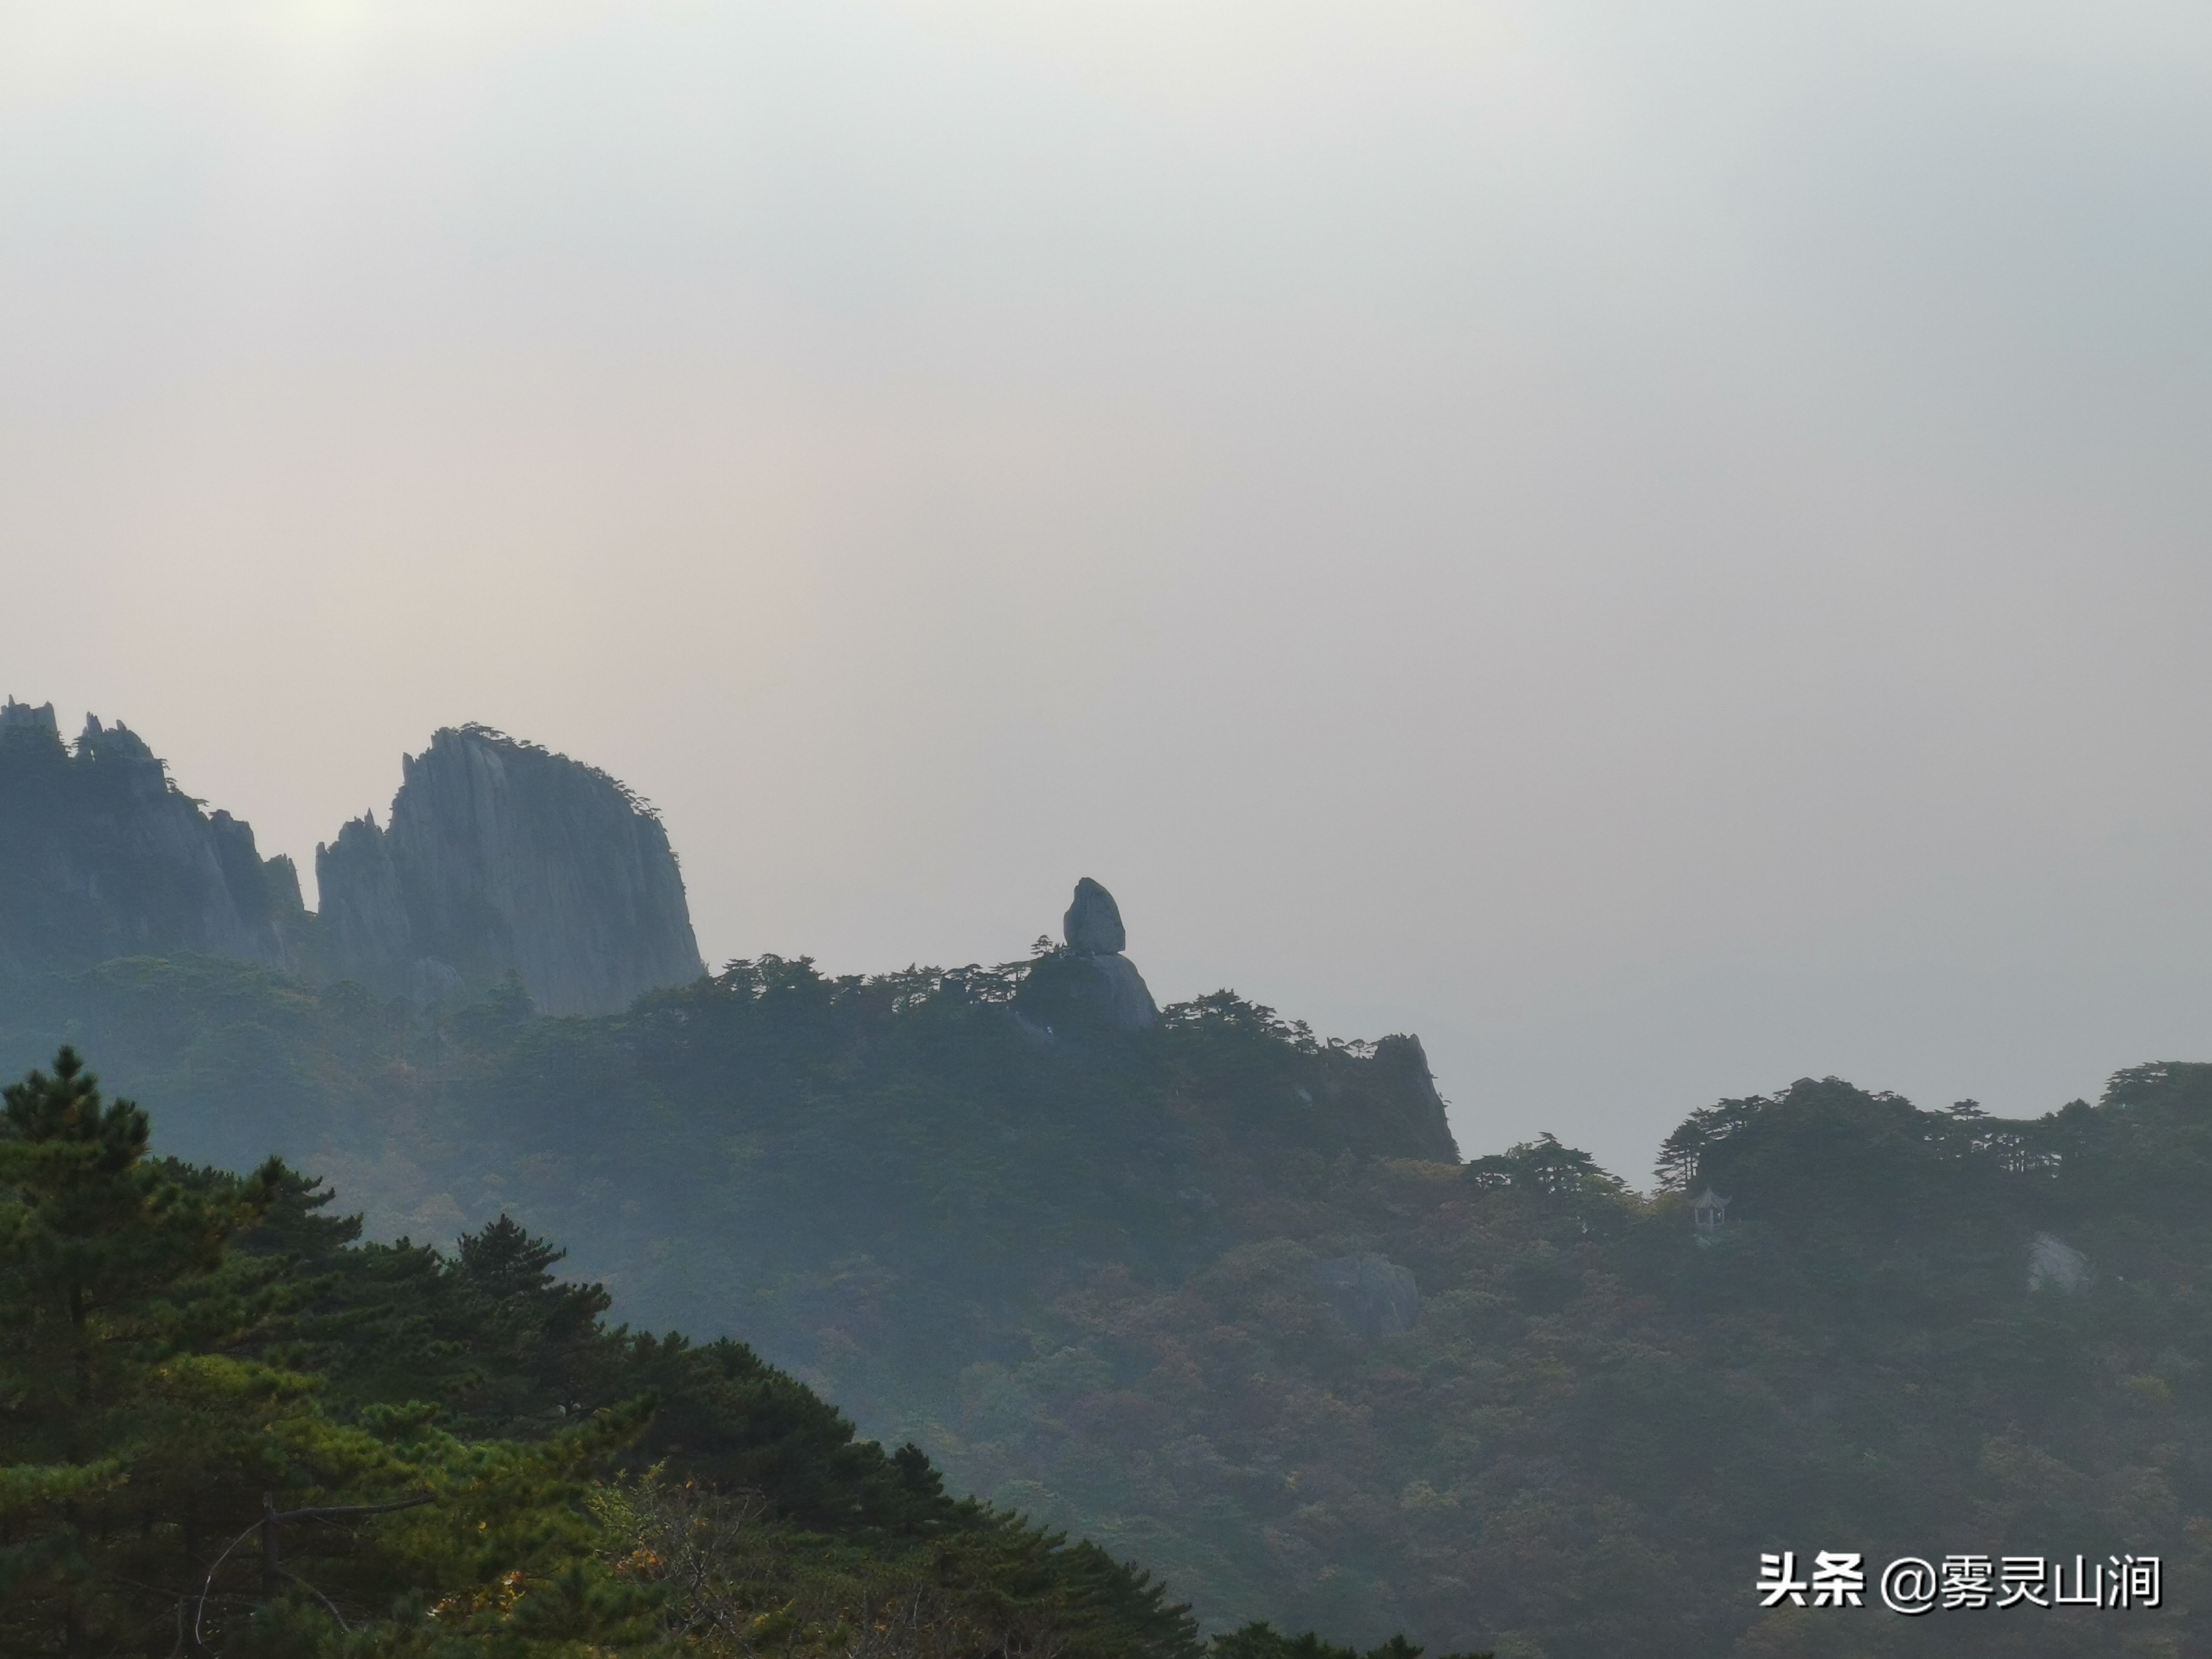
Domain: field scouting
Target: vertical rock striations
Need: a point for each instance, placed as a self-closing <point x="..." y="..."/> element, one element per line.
<point x="101" y="856"/>
<point x="502" y="856"/>
<point x="361" y="923"/>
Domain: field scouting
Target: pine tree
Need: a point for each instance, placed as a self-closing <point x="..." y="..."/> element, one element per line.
<point x="109" y="1282"/>
<point x="165" y="1487"/>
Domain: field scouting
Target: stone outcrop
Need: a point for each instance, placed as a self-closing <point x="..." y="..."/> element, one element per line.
<point x="1408" y="1104"/>
<point x="21" y="717"/>
<point x="1092" y="926"/>
<point x="2055" y="1265"/>
<point x="1372" y="1295"/>
<point x="1122" y="997"/>
<point x="102" y="856"/>
<point x="502" y="857"/>
<point x="499" y="858"/>
<point x="1089" y="984"/>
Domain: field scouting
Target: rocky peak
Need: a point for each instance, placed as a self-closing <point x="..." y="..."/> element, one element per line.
<point x="21" y="717"/>
<point x="124" y="757"/>
<point x="502" y="857"/>
<point x="1092" y="927"/>
<point x="101" y="856"/>
<point x="1091" y="984"/>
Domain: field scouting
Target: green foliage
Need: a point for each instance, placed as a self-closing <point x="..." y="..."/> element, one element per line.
<point x="875" y="1182"/>
<point x="226" y="1427"/>
<point x="116" y="1393"/>
<point x="1600" y="1419"/>
<point x="1081" y="1275"/>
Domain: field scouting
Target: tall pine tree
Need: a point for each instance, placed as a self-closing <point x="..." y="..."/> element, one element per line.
<point x="116" y="1421"/>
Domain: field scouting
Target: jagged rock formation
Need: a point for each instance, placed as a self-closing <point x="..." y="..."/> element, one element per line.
<point x="1088" y="987"/>
<point x="1372" y="1295"/>
<point x="1410" y="1109"/>
<point x="503" y="857"/>
<point x="101" y="856"/>
<point x="1092" y="926"/>
<point x="1090" y="983"/>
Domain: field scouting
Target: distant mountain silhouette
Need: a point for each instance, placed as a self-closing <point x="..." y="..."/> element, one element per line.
<point x="102" y="856"/>
<point x="501" y="857"/>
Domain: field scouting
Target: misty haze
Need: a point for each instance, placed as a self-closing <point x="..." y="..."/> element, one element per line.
<point x="1324" y="826"/>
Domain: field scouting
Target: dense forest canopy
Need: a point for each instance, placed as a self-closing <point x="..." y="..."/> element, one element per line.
<point x="226" y="1427"/>
<point x="1125" y="1284"/>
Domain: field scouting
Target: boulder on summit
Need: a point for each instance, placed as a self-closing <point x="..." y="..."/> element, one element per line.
<point x="1092" y="926"/>
<point x="1089" y="984"/>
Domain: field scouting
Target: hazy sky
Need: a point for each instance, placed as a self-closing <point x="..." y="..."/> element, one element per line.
<point x="1664" y="548"/>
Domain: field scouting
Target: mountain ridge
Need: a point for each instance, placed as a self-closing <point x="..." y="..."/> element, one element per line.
<point x="502" y="857"/>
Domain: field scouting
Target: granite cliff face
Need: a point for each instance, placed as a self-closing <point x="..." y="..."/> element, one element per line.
<point x="502" y="856"/>
<point x="101" y="856"/>
<point x="1408" y="1106"/>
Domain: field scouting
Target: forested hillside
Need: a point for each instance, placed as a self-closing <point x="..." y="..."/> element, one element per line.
<point x="1151" y="1285"/>
<point x="228" y="1427"/>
